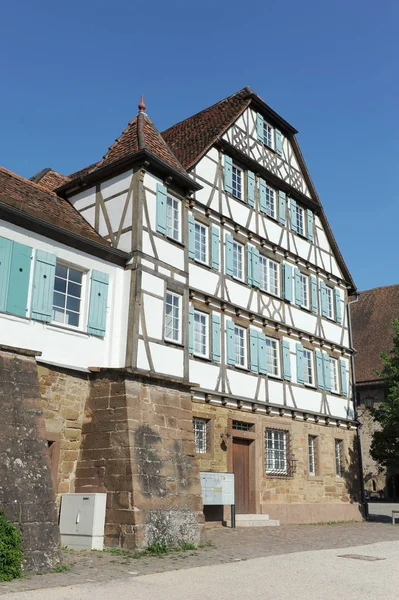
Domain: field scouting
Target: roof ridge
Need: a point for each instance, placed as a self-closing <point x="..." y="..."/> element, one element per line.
<point x="379" y="287"/>
<point x="29" y="181"/>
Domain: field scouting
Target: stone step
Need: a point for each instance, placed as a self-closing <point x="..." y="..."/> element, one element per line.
<point x="254" y="521"/>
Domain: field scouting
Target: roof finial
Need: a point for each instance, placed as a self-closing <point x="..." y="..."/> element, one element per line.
<point x="142" y="105"/>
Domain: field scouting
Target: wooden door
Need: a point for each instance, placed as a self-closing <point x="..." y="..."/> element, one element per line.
<point x="241" y="475"/>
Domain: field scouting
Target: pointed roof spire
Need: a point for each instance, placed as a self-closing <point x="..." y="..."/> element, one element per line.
<point x="142" y="106"/>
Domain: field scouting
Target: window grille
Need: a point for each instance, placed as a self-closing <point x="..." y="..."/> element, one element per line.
<point x="242" y="426"/>
<point x="339" y="457"/>
<point x="200" y="435"/>
<point x="312" y="449"/>
<point x="279" y="457"/>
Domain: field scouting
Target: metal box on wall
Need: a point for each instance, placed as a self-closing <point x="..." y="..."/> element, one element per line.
<point x="82" y="520"/>
<point x="217" y="488"/>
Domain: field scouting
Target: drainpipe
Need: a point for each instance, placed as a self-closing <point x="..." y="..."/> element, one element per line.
<point x="359" y="445"/>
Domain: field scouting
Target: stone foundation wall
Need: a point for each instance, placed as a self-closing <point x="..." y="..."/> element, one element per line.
<point x="64" y="394"/>
<point x="301" y="497"/>
<point x="26" y="491"/>
<point x="138" y="447"/>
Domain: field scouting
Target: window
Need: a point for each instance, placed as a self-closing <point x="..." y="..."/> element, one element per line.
<point x="67" y="295"/>
<point x="276" y="451"/>
<point x="300" y="220"/>
<point x="304" y="290"/>
<point x="268" y="135"/>
<point x="172" y="317"/>
<point x="270" y="202"/>
<point x="173" y="218"/>
<point x="243" y="426"/>
<point x="312" y="449"/>
<point x="201" y="435"/>
<point x="339" y="457"/>
<point x="237" y="260"/>
<point x="240" y="349"/>
<point x="308" y="366"/>
<point x="329" y="302"/>
<point x="334" y="374"/>
<point x="269" y="275"/>
<point x="237" y="179"/>
<point x="272" y="357"/>
<point x="201" y="242"/>
<point x="200" y="333"/>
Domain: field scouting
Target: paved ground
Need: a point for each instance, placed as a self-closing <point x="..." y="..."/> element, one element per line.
<point x="369" y="572"/>
<point x="227" y="546"/>
<point x="382" y="511"/>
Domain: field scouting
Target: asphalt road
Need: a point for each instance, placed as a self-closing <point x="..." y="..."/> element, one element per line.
<point x="316" y="575"/>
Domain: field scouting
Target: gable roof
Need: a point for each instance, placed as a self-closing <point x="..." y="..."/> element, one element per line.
<point x="49" y="179"/>
<point x="372" y="332"/>
<point x="31" y="199"/>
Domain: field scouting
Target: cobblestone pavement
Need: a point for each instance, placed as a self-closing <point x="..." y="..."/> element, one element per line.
<point x="225" y="545"/>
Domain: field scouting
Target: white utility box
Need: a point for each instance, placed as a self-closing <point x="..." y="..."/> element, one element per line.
<point x="82" y="520"/>
<point x="217" y="488"/>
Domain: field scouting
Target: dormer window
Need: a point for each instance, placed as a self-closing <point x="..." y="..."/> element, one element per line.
<point x="268" y="135"/>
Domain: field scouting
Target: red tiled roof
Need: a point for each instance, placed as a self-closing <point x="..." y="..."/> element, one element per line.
<point x="33" y="199"/>
<point x="372" y="331"/>
<point x="49" y="179"/>
<point x="191" y="138"/>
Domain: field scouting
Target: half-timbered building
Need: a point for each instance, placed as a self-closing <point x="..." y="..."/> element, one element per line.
<point x="212" y="331"/>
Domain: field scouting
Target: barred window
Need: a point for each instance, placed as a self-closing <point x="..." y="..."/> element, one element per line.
<point x="312" y="449"/>
<point x="276" y="451"/>
<point x="339" y="457"/>
<point x="201" y="435"/>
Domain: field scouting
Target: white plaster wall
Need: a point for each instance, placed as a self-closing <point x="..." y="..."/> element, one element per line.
<point x="167" y="359"/>
<point x="204" y="373"/>
<point x="58" y="343"/>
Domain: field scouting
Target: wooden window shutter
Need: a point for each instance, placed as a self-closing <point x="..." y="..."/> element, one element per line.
<point x="43" y="286"/>
<point x="229" y="254"/>
<point x="216" y="350"/>
<point x="282" y="203"/>
<point x="313" y="294"/>
<point x="191" y="236"/>
<point x="215" y="247"/>
<point x="344" y="383"/>
<point x="230" y="343"/>
<point x="287" y="282"/>
<point x="262" y="194"/>
<point x="253" y="350"/>
<point x="18" y="282"/>
<point x="319" y="369"/>
<point x="251" y="188"/>
<point x="298" y="290"/>
<point x="310" y="224"/>
<point x="323" y="299"/>
<point x="5" y="265"/>
<point x="286" y="360"/>
<point x="191" y="329"/>
<point x="293" y="215"/>
<point x="279" y="142"/>
<point x="161" y="209"/>
<point x="338" y="307"/>
<point x="228" y="174"/>
<point x="259" y="127"/>
<point x="327" y="372"/>
<point x="299" y="363"/>
<point x="262" y="356"/>
<point x="97" y="320"/>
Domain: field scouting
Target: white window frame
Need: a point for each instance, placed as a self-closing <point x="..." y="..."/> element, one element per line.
<point x="273" y="365"/>
<point x="304" y="279"/>
<point x="276" y="459"/>
<point x="300" y="220"/>
<point x="334" y="374"/>
<point x="204" y="317"/>
<point x="312" y="455"/>
<point x="308" y="367"/>
<point x="268" y="135"/>
<point x="270" y="202"/>
<point x="173" y="205"/>
<point x="238" y="260"/>
<point x="203" y="236"/>
<point x="237" y="181"/>
<point x="240" y="346"/>
<point x="265" y="272"/>
<point x="177" y="338"/>
<point x="83" y="303"/>
<point x="339" y="457"/>
<point x="329" y="302"/>
<point x="200" y="426"/>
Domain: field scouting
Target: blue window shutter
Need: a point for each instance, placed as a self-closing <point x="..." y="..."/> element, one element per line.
<point x="262" y="194"/>
<point x="255" y="267"/>
<point x="230" y="343"/>
<point x="43" y="286"/>
<point x="5" y="265"/>
<point x="338" y="308"/>
<point x="299" y="363"/>
<point x="286" y="360"/>
<point x="279" y="142"/>
<point x="344" y="383"/>
<point x="161" y="208"/>
<point x="298" y="295"/>
<point x="191" y="236"/>
<point x="97" y="320"/>
<point x="323" y="299"/>
<point x="229" y="254"/>
<point x="18" y="282"/>
<point x="215" y="247"/>
<point x="191" y="329"/>
<point x="281" y="207"/>
<point x="253" y="350"/>
<point x="319" y="369"/>
<point x="251" y="188"/>
<point x="216" y="350"/>
<point x="228" y="174"/>
<point x="287" y="282"/>
<point x="327" y="372"/>
<point x="259" y="127"/>
<point x="313" y="293"/>
<point x="250" y="279"/>
<point x="262" y="358"/>
<point x="310" y="224"/>
<point x="293" y="215"/>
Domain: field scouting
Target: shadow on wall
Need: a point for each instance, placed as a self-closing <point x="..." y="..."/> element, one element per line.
<point x="352" y="479"/>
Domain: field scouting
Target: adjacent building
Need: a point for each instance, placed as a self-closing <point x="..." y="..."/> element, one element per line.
<point x="190" y="304"/>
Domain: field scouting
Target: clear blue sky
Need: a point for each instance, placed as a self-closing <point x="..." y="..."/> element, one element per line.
<point x="72" y="74"/>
